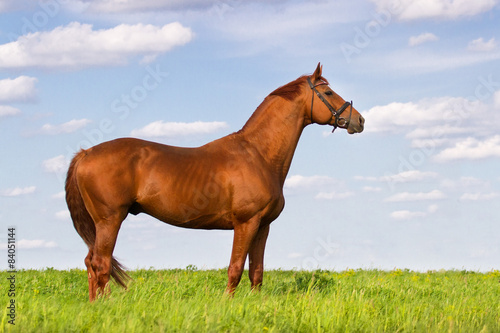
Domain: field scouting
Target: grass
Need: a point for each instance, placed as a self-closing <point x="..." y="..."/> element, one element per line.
<point x="190" y="300"/>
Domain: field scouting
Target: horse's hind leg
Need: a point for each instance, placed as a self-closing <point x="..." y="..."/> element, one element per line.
<point x="91" y="276"/>
<point x="106" y="234"/>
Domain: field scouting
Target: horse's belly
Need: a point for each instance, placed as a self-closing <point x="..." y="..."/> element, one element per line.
<point x="189" y="217"/>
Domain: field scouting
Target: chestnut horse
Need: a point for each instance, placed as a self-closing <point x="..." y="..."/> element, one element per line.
<point x="235" y="182"/>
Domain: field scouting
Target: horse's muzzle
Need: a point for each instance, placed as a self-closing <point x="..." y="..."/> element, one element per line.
<point x="356" y="126"/>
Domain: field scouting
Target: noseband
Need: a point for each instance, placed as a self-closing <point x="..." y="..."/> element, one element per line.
<point x="339" y="121"/>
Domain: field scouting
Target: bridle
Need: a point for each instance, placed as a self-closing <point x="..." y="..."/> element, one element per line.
<point x="339" y="121"/>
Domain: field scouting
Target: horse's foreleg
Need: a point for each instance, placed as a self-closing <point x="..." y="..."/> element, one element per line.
<point x="256" y="257"/>
<point x="244" y="235"/>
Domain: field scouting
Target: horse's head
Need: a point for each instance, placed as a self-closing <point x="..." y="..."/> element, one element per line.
<point x="328" y="108"/>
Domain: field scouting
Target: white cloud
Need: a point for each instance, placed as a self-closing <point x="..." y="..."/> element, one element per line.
<point x="320" y="184"/>
<point x="59" y="195"/>
<point x="416" y="196"/>
<point x="480" y="45"/>
<point x="464" y="183"/>
<point x="402" y="117"/>
<point x="422" y="38"/>
<point x="438" y="131"/>
<point x="6" y="110"/>
<point x="432" y="208"/>
<point x="20" y="89"/>
<point x="437" y="9"/>
<point x="407" y="215"/>
<point x="14" y="192"/>
<point x="78" y="45"/>
<point x="333" y="195"/>
<point x="67" y="127"/>
<point x="299" y="181"/>
<point x="496" y="99"/>
<point x="35" y="244"/>
<point x="57" y="164"/>
<point x="402" y="177"/>
<point x="175" y="129"/>
<point x="371" y="189"/>
<point x="478" y="196"/>
<point x="63" y="215"/>
<point x="471" y="149"/>
<point x="445" y="128"/>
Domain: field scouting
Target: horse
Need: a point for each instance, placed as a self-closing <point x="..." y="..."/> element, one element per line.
<point x="232" y="183"/>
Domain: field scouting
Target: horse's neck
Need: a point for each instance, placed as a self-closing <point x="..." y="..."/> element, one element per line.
<point x="274" y="131"/>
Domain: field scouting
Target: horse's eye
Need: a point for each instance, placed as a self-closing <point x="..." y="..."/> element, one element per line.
<point x="328" y="93"/>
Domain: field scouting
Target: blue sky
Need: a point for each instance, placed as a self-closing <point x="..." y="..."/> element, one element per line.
<point x="418" y="189"/>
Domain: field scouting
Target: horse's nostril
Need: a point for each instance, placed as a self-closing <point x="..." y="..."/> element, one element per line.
<point x="361" y="120"/>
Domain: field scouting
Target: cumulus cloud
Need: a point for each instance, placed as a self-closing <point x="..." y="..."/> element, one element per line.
<point x="371" y="189"/>
<point x="78" y="45"/>
<point x="416" y="196"/>
<point x="322" y="185"/>
<point x="57" y="164"/>
<point x="437" y="131"/>
<point x="59" y="195"/>
<point x="496" y="98"/>
<point x="20" y="89"/>
<point x="160" y="129"/>
<point x="63" y="215"/>
<point x="299" y="181"/>
<point x="411" y="116"/>
<point x="480" y="45"/>
<point x="422" y="38"/>
<point x="471" y="149"/>
<point x="402" y="177"/>
<point x="333" y="195"/>
<point x="6" y="111"/>
<point x="67" y="127"/>
<point x="437" y="9"/>
<point x="444" y="128"/>
<point x="478" y="196"/>
<point x="15" y="192"/>
<point x="407" y="215"/>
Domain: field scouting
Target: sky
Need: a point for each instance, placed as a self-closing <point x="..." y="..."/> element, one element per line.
<point x="419" y="189"/>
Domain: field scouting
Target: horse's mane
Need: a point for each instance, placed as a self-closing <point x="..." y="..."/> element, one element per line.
<point x="290" y="90"/>
<point x="293" y="89"/>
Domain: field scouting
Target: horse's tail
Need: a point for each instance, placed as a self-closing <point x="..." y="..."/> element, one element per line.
<point x="82" y="220"/>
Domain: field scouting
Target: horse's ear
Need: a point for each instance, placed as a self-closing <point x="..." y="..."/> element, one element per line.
<point x="317" y="73"/>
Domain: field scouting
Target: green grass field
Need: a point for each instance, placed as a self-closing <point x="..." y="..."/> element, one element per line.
<point x="192" y="300"/>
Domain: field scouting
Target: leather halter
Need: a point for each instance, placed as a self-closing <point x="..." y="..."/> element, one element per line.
<point x="339" y="122"/>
